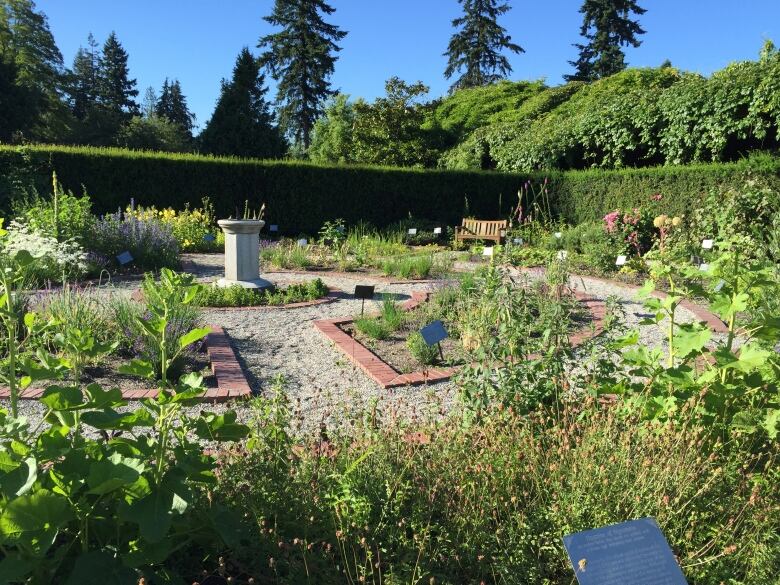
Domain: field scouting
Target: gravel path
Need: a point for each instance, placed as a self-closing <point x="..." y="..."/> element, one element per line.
<point x="324" y="387"/>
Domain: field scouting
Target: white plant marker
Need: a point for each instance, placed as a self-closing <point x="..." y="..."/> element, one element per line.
<point x="707" y="244"/>
<point x="704" y="267"/>
<point x="518" y="241"/>
<point x="437" y="230"/>
<point x="719" y="286"/>
<point x="562" y="255"/>
<point x="412" y="231"/>
<point x="621" y="260"/>
<point x="303" y="242"/>
<point x="558" y="235"/>
<point x="487" y="251"/>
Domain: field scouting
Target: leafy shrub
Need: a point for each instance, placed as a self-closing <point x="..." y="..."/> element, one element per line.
<point x="238" y="296"/>
<point x="424" y="354"/>
<point x="62" y="217"/>
<point x="136" y="321"/>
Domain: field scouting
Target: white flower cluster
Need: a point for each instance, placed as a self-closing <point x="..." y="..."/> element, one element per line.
<point x="53" y="259"/>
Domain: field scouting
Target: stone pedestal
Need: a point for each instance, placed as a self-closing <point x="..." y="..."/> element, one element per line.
<point x="242" y="253"/>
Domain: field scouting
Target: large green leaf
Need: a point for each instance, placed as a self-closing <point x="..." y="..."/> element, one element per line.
<point x="13" y="569"/>
<point x="100" y="568"/>
<point x="34" y="520"/>
<point x="221" y="427"/>
<point x="154" y="513"/>
<point x="113" y="472"/>
<point x="19" y="481"/>
<point x="193" y="336"/>
<point x="62" y="397"/>
<point x="690" y="338"/>
<point x="110" y="419"/>
<point x="139" y="368"/>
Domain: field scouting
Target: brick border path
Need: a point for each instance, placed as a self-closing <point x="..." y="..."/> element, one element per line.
<point x="388" y="377"/>
<point x="231" y="380"/>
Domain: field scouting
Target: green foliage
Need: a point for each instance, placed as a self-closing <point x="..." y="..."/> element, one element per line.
<point x="116" y="92"/>
<point x="425" y="354"/>
<point x="242" y="122"/>
<point x="238" y="296"/>
<point x="372" y="327"/>
<point x="165" y="325"/>
<point x="607" y="28"/>
<point x="638" y="117"/>
<point x="475" y="49"/>
<point x="465" y="110"/>
<point x="396" y="506"/>
<point x="301" y="57"/>
<point x="64" y="216"/>
<point x="332" y="136"/>
<point x="411" y="266"/>
<point x="390" y="130"/>
<point x="31" y="70"/>
<point x="153" y="133"/>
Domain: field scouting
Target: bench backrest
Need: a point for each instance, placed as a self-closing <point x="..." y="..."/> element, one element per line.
<point x="480" y="227"/>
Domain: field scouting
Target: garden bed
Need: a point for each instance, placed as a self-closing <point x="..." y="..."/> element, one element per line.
<point x="385" y="363"/>
<point x="223" y="377"/>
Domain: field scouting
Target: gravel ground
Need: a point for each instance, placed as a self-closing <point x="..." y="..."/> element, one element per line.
<point x="324" y="387"/>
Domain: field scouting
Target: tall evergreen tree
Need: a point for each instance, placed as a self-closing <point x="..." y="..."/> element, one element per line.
<point x="301" y="57"/>
<point x="477" y="46"/>
<point x="16" y="113"/>
<point x="27" y="46"/>
<point x="172" y="105"/>
<point x="149" y="105"/>
<point x="242" y="123"/>
<point x="84" y="79"/>
<point x="607" y="26"/>
<point x="116" y="90"/>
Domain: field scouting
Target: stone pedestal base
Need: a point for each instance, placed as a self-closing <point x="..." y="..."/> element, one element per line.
<point x="242" y="254"/>
<point x="256" y="283"/>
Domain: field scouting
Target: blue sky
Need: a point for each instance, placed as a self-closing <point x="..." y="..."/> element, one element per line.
<point x="197" y="41"/>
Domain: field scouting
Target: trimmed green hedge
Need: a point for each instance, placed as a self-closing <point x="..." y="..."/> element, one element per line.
<point x="301" y="196"/>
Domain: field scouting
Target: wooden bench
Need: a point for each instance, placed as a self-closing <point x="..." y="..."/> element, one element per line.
<point x="477" y="229"/>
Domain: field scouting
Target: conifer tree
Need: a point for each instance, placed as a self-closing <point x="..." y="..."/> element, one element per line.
<point x="149" y="105"/>
<point x="242" y="124"/>
<point x="476" y="49"/>
<point x="84" y="79"/>
<point x="301" y="57"/>
<point x="27" y="46"/>
<point x="607" y="26"/>
<point x="172" y="106"/>
<point x="116" y="90"/>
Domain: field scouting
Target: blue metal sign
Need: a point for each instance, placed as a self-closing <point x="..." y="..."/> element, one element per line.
<point x="209" y="237"/>
<point x="124" y="258"/>
<point x="434" y="333"/>
<point x="634" y="552"/>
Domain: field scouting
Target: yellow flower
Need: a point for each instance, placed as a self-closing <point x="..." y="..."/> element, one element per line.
<point x="676" y="221"/>
<point x="660" y="221"/>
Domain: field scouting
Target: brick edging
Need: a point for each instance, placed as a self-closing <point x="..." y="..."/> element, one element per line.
<point x="388" y="377"/>
<point x="231" y="381"/>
